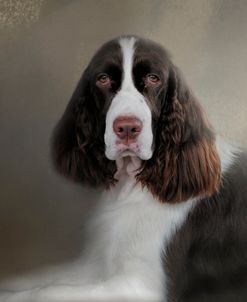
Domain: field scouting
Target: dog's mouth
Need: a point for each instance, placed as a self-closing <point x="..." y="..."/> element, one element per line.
<point x="120" y="150"/>
<point x="127" y="149"/>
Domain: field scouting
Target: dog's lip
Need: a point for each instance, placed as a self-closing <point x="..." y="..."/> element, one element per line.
<point x="130" y="146"/>
<point x="128" y="150"/>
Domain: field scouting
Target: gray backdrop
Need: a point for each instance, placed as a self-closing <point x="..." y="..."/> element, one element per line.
<point x="44" y="47"/>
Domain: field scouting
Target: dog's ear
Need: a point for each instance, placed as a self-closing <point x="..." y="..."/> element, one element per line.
<point x="185" y="163"/>
<point x="77" y="142"/>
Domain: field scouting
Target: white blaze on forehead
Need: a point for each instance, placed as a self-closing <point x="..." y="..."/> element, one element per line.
<point x="129" y="102"/>
<point x="127" y="47"/>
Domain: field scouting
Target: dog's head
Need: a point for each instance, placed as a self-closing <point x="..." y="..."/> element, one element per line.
<point x="132" y="101"/>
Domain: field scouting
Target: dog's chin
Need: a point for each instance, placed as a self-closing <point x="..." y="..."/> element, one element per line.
<point x="126" y="153"/>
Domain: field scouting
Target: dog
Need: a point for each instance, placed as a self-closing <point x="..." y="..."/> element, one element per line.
<point x="171" y="224"/>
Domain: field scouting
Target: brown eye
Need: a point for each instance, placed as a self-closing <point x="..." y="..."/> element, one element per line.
<point x="152" y="78"/>
<point x="103" y="79"/>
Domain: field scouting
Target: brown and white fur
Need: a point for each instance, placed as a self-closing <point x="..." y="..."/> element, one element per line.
<point x="171" y="223"/>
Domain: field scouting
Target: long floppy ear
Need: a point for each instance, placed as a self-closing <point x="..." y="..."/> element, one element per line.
<point x="185" y="162"/>
<point x="77" y="144"/>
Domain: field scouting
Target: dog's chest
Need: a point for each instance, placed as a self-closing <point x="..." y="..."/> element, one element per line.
<point x="131" y="229"/>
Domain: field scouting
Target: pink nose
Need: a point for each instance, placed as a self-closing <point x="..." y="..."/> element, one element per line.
<point x="127" y="128"/>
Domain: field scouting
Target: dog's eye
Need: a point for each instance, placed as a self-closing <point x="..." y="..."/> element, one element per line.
<point x="103" y="79"/>
<point x="152" y="78"/>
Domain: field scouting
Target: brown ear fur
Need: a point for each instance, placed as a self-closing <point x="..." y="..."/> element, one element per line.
<point x="185" y="162"/>
<point x="77" y="143"/>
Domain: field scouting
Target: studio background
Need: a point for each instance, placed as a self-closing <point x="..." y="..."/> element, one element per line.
<point x="44" y="47"/>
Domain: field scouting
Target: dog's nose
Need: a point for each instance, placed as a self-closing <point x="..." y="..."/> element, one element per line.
<point x="127" y="127"/>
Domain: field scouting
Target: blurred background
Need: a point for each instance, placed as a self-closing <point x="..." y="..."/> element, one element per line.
<point x="44" y="47"/>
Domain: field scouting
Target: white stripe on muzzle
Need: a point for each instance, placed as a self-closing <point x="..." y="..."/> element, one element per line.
<point x="129" y="102"/>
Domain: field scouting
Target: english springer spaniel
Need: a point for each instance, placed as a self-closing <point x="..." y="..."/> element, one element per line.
<point x="171" y="225"/>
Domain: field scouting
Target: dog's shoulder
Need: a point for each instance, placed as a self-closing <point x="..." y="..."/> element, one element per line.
<point x="207" y="257"/>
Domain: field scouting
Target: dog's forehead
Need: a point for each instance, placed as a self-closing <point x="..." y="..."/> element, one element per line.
<point x="148" y="50"/>
<point x="108" y="52"/>
<point x="143" y="50"/>
<point x="145" y="46"/>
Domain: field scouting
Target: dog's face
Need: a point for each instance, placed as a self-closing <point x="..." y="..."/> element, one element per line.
<point x="128" y="80"/>
<point x="132" y="101"/>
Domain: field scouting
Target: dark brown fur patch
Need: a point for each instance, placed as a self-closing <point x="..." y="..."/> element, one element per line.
<point x="185" y="162"/>
<point x="78" y="148"/>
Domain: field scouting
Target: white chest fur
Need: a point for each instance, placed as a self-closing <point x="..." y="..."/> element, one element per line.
<point x="128" y="233"/>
